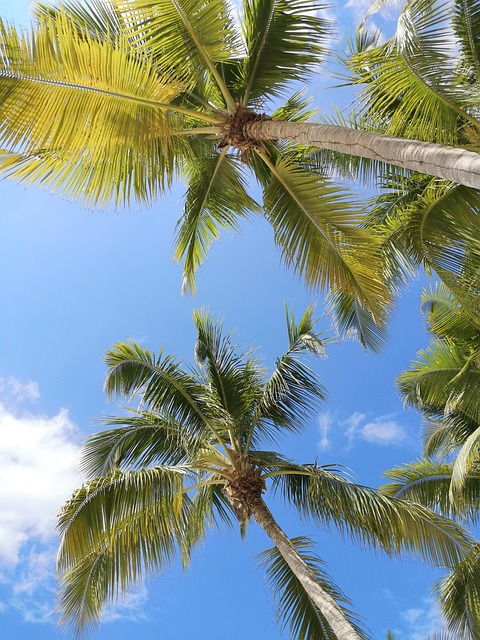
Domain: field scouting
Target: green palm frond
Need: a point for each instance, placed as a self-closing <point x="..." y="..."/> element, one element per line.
<point x="85" y="117"/>
<point x="466" y="464"/>
<point x="216" y="199"/>
<point x="352" y="320"/>
<point x="444" y="379"/>
<point x="294" y="608"/>
<point x="138" y="439"/>
<point x="284" y="42"/>
<point x="315" y="227"/>
<point x="466" y="23"/>
<point x="104" y="507"/>
<point x="429" y="483"/>
<point x="118" y="528"/>
<point x="444" y="434"/>
<point x="459" y="596"/>
<point x="409" y="82"/>
<point x="292" y="389"/>
<point x="160" y="381"/>
<point x="185" y="35"/>
<point x="370" y="518"/>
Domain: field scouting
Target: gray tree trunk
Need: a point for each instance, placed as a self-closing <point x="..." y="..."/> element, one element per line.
<point x="449" y="163"/>
<point x="323" y="600"/>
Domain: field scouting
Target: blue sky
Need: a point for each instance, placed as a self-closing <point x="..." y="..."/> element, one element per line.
<point x="74" y="281"/>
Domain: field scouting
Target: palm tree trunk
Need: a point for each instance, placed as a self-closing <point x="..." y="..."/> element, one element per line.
<point x="449" y="163"/>
<point x="323" y="600"/>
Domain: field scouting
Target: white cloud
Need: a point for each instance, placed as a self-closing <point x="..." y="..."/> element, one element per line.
<point x="422" y="621"/>
<point x="324" y="421"/>
<point x="37" y="462"/>
<point x="383" y="432"/>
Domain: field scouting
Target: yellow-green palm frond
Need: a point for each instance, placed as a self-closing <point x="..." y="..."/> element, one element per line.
<point x="116" y="530"/>
<point x="459" y="597"/>
<point x="216" y="199"/>
<point x="83" y="116"/>
<point x="391" y="524"/>
<point x="294" y="607"/>
<point x="186" y="35"/>
<point x="316" y="227"/>
<point x="284" y="41"/>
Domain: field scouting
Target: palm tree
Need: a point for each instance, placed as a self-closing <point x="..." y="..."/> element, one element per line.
<point x="111" y="101"/>
<point x="191" y="455"/>
<point x="423" y="83"/>
<point x="443" y="384"/>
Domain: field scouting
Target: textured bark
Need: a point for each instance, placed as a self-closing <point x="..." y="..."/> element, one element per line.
<point x="449" y="163"/>
<point x="323" y="600"/>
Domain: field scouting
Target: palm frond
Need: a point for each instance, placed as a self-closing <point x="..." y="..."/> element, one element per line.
<point x="216" y="199"/>
<point x="104" y="133"/>
<point x="459" y="597"/>
<point x="315" y="225"/>
<point x="370" y="518"/>
<point x="466" y="23"/>
<point x="429" y="483"/>
<point x="160" y="383"/>
<point x="284" y="41"/>
<point x="185" y="35"/>
<point x="409" y="82"/>
<point x="138" y="439"/>
<point x="294" y="607"/>
<point x="293" y="389"/>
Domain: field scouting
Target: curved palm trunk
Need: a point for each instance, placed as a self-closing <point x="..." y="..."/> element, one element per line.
<point x="324" y="601"/>
<point x="449" y="163"/>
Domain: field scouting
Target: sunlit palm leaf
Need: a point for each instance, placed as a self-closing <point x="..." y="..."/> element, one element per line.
<point x="84" y="116"/>
<point x="314" y="224"/>
<point x="371" y="518"/>
<point x="216" y="199"/>
<point x="284" y="42"/>
<point x="466" y="22"/>
<point x="294" y="607"/>
<point x="184" y="35"/>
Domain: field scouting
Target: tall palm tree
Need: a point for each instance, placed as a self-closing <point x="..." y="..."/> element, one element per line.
<point x="110" y="101"/>
<point x="443" y="384"/>
<point x="192" y="455"/>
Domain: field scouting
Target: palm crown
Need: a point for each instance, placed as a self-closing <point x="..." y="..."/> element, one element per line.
<point x="192" y="456"/>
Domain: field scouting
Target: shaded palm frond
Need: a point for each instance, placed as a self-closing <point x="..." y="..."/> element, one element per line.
<point x="138" y="439"/>
<point x="160" y="382"/>
<point x="429" y="483"/>
<point x="294" y="607"/>
<point x="459" y="597"/>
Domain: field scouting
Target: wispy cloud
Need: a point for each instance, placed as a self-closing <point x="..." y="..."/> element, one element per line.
<point x="384" y="432"/>
<point x="324" y="421"/>
<point x="422" y="621"/>
<point x="360" y="427"/>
